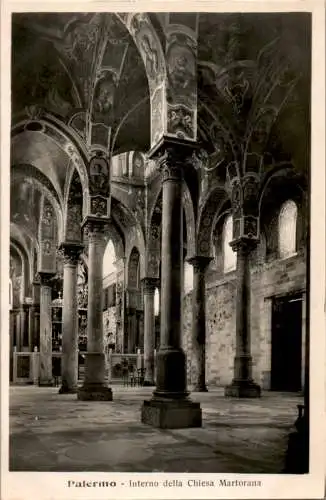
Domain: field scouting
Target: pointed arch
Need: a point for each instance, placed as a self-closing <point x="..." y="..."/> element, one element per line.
<point x="211" y="207"/>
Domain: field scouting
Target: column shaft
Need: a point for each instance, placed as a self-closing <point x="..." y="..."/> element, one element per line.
<point x="149" y="330"/>
<point x="171" y="362"/>
<point x="199" y="322"/>
<point x="45" y="332"/>
<point x="94" y="387"/>
<point x="243" y="384"/>
<point x="31" y="326"/>
<point x="69" y="360"/>
<point x="170" y="406"/>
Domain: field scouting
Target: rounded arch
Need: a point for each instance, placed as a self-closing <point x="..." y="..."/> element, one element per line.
<point x="286" y="176"/>
<point x="145" y="38"/>
<point x="211" y="207"/>
<point x="25" y="268"/>
<point x="16" y="235"/>
<point x="155" y="221"/>
<point x="281" y="186"/>
<point x="74" y="174"/>
<point x="149" y="46"/>
<point x="135" y="239"/>
<point x="45" y="187"/>
<point x="115" y="236"/>
<point x="65" y="138"/>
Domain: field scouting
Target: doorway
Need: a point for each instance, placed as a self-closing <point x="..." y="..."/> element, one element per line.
<point x="286" y="356"/>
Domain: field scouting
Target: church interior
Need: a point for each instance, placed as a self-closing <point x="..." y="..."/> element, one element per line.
<point x="159" y="239"/>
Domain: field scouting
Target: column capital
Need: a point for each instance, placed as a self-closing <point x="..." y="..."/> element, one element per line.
<point x="95" y="226"/>
<point x="172" y="156"/>
<point x="71" y="252"/>
<point x="46" y="279"/>
<point x="149" y="285"/>
<point x="244" y="245"/>
<point x="200" y="262"/>
<point x="36" y="279"/>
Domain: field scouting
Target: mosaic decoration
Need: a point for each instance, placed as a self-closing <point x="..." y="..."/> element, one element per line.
<point x="47" y="238"/>
<point x="181" y="88"/>
<point x="74" y="210"/>
<point x="157" y="115"/>
<point x="99" y="179"/>
<point x="99" y="206"/>
<point x="149" y="46"/>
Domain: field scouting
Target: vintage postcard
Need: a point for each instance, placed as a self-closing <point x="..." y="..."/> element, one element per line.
<point x="162" y="250"/>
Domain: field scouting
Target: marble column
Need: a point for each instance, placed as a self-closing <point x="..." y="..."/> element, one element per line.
<point x="149" y="285"/>
<point x="94" y="387"/>
<point x="46" y="329"/>
<point x="170" y="406"/>
<point x="69" y="357"/>
<point x="200" y="264"/>
<point x="243" y="385"/>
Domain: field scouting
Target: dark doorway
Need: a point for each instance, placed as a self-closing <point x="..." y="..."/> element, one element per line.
<point x="286" y="343"/>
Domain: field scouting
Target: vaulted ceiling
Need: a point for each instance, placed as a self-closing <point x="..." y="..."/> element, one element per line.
<point x="85" y="70"/>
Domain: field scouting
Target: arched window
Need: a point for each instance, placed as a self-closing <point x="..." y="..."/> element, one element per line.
<point x="10" y="294"/>
<point x="287" y="230"/>
<point x="229" y="256"/>
<point x="109" y="259"/>
<point x="156" y="302"/>
<point x="188" y="278"/>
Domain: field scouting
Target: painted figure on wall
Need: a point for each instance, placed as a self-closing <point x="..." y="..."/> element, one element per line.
<point x="104" y="95"/>
<point x="99" y="175"/>
<point x="151" y="57"/>
<point x="182" y="74"/>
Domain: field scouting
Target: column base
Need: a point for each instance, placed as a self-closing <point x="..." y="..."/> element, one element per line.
<point x="46" y="383"/>
<point x="64" y="389"/>
<point x="199" y="388"/>
<point x="243" y="389"/>
<point x="171" y="414"/>
<point x="149" y="383"/>
<point x="94" y="392"/>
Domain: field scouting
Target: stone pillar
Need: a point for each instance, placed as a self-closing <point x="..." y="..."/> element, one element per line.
<point x="94" y="386"/>
<point x="36" y="313"/>
<point x="69" y="357"/>
<point x="31" y="312"/>
<point x="149" y="285"/>
<point x="243" y="385"/>
<point x="23" y="313"/>
<point x="46" y="329"/>
<point x="170" y="406"/>
<point x="199" y="321"/>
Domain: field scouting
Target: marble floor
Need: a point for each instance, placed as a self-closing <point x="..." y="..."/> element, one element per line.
<point x="52" y="432"/>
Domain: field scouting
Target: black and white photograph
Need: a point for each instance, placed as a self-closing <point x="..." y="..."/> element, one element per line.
<point x="158" y="257"/>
